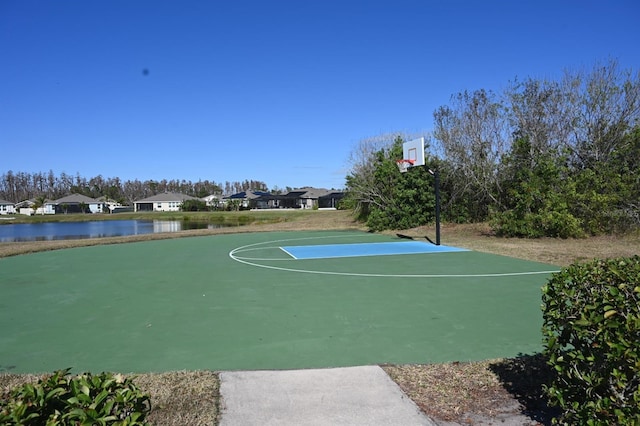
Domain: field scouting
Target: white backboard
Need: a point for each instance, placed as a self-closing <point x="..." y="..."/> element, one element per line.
<point x="414" y="150"/>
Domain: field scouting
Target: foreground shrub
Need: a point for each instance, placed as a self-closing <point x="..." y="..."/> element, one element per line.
<point x="592" y="338"/>
<point x="86" y="399"/>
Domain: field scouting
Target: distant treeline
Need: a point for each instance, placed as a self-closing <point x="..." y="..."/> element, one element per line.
<point x="20" y="186"/>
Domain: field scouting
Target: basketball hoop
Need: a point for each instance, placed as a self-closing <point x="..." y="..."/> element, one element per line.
<point x="404" y="164"/>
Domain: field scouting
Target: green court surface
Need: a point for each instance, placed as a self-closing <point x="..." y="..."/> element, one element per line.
<point x="239" y="302"/>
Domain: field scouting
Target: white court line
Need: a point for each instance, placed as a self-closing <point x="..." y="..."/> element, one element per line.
<point x="271" y="259"/>
<point x="287" y="251"/>
<point x="249" y="247"/>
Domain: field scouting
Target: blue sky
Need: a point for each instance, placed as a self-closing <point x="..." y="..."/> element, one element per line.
<point x="276" y="90"/>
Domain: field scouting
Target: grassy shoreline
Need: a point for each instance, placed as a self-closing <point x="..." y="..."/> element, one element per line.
<point x="212" y="216"/>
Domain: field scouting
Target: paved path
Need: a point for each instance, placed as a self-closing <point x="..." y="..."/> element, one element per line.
<point x="336" y="396"/>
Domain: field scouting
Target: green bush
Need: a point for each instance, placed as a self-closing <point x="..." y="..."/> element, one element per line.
<point x="591" y="334"/>
<point x="555" y="224"/>
<point x="194" y="206"/>
<point x="83" y="400"/>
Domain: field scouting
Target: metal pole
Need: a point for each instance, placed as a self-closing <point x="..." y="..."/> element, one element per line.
<point x="437" y="184"/>
<point x="436" y="176"/>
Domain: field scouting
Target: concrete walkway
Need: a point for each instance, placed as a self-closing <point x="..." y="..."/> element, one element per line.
<point x="336" y="396"/>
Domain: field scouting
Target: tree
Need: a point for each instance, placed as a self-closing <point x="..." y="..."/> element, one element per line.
<point x="473" y="136"/>
<point x="9" y="186"/>
<point x="193" y="206"/>
<point x="39" y="203"/>
<point x="606" y="197"/>
<point x="386" y="198"/>
<point x="382" y="211"/>
<point x="535" y="194"/>
<point x="362" y="189"/>
<point x="607" y="106"/>
<point x="627" y="163"/>
<point x="541" y="112"/>
<point x="233" y="205"/>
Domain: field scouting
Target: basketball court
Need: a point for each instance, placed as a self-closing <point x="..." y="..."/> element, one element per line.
<point x="273" y="300"/>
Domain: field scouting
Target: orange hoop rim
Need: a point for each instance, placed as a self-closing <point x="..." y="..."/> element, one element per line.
<point x="412" y="162"/>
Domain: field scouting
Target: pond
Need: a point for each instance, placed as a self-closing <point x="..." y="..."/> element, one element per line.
<point x="20" y="232"/>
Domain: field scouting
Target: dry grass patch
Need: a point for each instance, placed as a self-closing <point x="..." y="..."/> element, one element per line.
<point x="556" y="251"/>
<point x="432" y="387"/>
<point x="479" y="392"/>
<point x="182" y="397"/>
<point x="11" y="381"/>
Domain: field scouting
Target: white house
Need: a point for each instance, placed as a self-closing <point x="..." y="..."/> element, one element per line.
<point x="7" y="207"/>
<point x="113" y="206"/>
<point x="27" y="207"/>
<point x="165" y="202"/>
<point x="214" y="200"/>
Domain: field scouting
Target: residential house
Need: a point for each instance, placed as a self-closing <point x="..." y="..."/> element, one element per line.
<point x="113" y="206"/>
<point x="7" y="207"/>
<point x="252" y="199"/>
<point x="331" y="200"/>
<point x="165" y="202"/>
<point x="303" y="198"/>
<point x="310" y="198"/>
<point x="74" y="203"/>
<point x="214" y="201"/>
<point x="28" y="208"/>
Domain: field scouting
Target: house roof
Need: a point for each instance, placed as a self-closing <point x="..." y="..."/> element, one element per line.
<point x="333" y="194"/>
<point x="250" y="195"/>
<point x="74" y="199"/>
<point x="305" y="193"/>
<point x="26" y="203"/>
<point x="308" y="193"/>
<point x="212" y="197"/>
<point x="32" y="202"/>
<point x="105" y="199"/>
<point x="167" y="197"/>
<point x="294" y="194"/>
<point x="6" y="202"/>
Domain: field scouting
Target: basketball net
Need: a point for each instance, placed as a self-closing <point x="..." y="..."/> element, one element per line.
<point x="404" y="164"/>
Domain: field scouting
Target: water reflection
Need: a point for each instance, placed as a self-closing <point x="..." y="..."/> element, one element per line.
<point x="167" y="226"/>
<point x="46" y="231"/>
<point x="178" y="225"/>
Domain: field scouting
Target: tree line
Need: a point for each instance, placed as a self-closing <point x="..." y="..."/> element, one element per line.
<point x="542" y="158"/>
<point x="20" y="186"/>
